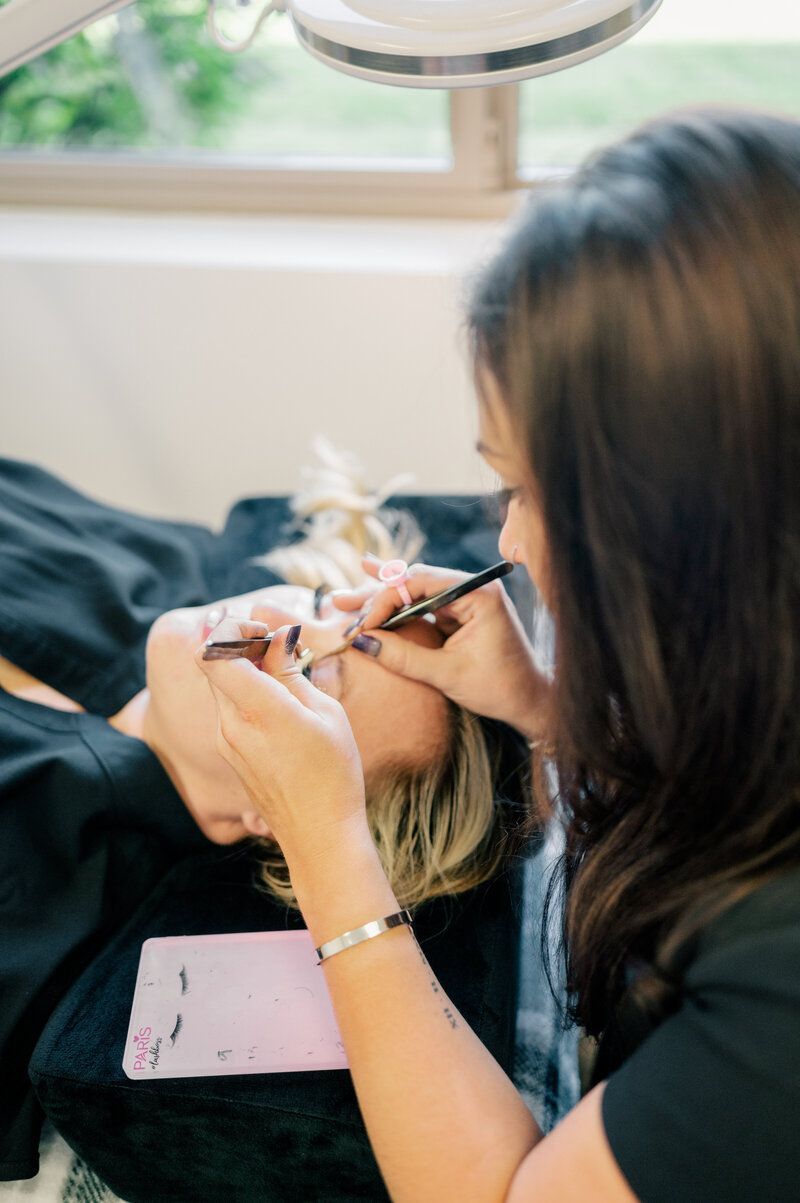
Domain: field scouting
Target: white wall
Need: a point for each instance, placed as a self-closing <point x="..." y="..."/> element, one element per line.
<point x="173" y="364"/>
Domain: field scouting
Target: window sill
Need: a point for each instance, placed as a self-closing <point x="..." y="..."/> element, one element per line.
<point x="209" y="184"/>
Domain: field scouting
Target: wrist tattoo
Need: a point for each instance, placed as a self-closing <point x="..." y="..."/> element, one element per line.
<point x="436" y="988"/>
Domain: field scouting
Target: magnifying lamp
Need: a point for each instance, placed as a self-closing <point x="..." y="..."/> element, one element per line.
<point x="462" y="43"/>
<point x="414" y="43"/>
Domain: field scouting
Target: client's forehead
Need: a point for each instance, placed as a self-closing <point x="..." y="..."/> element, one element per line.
<point x="421" y="631"/>
<point x="394" y="718"/>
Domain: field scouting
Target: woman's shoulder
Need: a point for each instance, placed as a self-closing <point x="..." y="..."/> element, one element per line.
<point x="757" y="935"/>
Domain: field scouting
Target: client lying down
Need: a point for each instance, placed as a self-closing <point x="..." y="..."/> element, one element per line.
<point x="76" y="787"/>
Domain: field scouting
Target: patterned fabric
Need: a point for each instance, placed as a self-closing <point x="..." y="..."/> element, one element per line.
<point x="62" y="1178"/>
<point x="546" y="1049"/>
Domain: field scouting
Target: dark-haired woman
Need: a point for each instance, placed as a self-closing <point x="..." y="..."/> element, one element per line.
<point x="637" y="353"/>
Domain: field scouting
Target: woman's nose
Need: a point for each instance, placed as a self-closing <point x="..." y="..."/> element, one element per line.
<point x="508" y="543"/>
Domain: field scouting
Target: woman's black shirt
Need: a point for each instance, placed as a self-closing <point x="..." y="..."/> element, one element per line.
<point x="90" y="823"/>
<point x="89" y="820"/>
<point x="707" y="1108"/>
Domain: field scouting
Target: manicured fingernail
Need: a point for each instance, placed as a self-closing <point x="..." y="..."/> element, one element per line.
<point x="213" y="619"/>
<point x="366" y="644"/>
<point x="359" y="621"/>
<point x="291" y="640"/>
<point x="348" y="631"/>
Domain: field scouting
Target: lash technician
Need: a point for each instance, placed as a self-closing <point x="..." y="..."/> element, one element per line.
<point x="637" y="360"/>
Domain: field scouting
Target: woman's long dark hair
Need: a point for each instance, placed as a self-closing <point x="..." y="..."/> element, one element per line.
<point x="643" y="324"/>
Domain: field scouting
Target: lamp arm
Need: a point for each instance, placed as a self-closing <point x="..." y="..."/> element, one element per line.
<point x="227" y="44"/>
<point x="29" y="28"/>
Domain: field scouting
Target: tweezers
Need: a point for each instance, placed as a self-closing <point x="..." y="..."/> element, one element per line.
<point x="428" y="605"/>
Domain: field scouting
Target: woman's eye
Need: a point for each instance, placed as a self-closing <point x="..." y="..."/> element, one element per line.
<point x="506" y="496"/>
<point x="504" y="499"/>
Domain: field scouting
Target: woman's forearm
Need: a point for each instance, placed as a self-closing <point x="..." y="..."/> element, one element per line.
<point x="445" y="1122"/>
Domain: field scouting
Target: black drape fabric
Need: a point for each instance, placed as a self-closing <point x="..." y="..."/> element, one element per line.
<point x="90" y="824"/>
<point x="281" y="1137"/>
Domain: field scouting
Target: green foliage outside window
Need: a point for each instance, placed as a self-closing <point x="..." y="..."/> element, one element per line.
<point x="146" y="77"/>
<point x="150" y="78"/>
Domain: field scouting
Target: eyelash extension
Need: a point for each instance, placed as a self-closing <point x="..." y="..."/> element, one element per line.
<point x="176" y="1029"/>
<point x="319" y="593"/>
<point x="184" y="980"/>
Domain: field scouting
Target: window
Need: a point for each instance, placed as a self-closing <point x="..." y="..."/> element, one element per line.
<point x="148" y="78"/>
<point x="690" y="53"/>
<point x="143" y="110"/>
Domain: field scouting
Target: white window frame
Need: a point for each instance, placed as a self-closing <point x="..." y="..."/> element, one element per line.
<point x="480" y="182"/>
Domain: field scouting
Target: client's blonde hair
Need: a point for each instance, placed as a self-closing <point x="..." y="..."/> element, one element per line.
<point x="342" y="519"/>
<point x="440" y="828"/>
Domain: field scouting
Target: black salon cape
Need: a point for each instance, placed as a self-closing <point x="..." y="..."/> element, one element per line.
<point x="89" y="820"/>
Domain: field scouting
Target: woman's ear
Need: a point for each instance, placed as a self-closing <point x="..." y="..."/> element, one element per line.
<point x="254" y="824"/>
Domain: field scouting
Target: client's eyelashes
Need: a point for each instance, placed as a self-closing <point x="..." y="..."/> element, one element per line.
<point x="319" y="593"/>
<point x="184" y="980"/>
<point x="176" y="1030"/>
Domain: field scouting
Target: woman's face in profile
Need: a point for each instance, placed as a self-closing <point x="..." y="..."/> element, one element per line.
<point x="522" y="538"/>
<point x="393" y="719"/>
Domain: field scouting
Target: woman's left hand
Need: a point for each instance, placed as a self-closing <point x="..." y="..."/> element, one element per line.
<point x="293" y="749"/>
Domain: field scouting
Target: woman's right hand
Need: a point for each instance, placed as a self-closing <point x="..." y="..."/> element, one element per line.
<point x="486" y="662"/>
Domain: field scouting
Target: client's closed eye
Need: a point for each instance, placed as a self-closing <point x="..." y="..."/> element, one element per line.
<point x="319" y="593"/>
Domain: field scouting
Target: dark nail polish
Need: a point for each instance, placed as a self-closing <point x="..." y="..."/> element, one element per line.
<point x="365" y="643"/>
<point x="360" y="620"/>
<point x="292" y="639"/>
